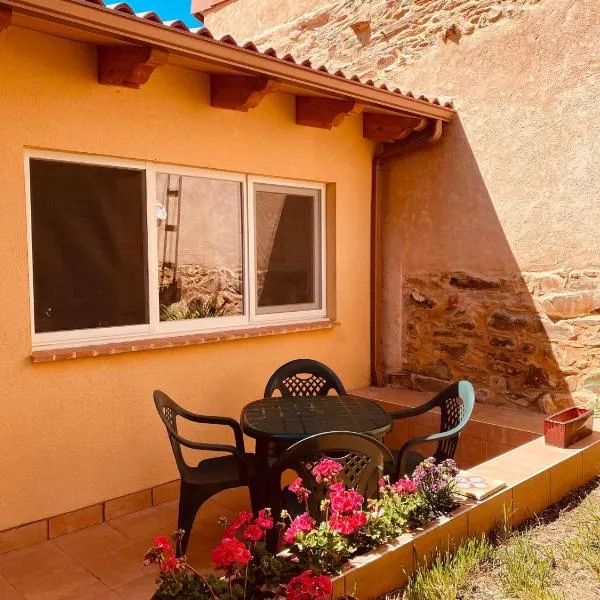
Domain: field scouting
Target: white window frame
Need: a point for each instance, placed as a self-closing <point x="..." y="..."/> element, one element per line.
<point x="155" y="327"/>
<point x="320" y="247"/>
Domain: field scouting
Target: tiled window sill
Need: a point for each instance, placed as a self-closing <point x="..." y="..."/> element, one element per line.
<point x="158" y="343"/>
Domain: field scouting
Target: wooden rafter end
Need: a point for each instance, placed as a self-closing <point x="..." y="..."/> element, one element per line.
<point x="238" y="93"/>
<point x="383" y="127"/>
<point x="325" y="113"/>
<point x="128" y="66"/>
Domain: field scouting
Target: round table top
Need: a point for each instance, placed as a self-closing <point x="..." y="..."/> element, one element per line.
<point x="298" y="417"/>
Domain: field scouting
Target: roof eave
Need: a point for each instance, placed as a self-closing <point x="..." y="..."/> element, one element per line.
<point x="96" y="19"/>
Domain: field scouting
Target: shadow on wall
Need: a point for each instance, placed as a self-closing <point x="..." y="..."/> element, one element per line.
<point x="456" y="304"/>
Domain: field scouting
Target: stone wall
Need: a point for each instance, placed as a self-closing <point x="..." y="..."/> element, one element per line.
<point x="370" y="38"/>
<point x="531" y="340"/>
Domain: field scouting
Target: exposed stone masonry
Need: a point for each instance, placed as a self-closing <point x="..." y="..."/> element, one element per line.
<point x="531" y="341"/>
<point x="375" y="38"/>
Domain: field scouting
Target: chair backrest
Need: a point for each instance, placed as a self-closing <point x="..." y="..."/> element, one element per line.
<point x="168" y="411"/>
<point x="363" y="458"/>
<point x="456" y="404"/>
<point x="303" y="377"/>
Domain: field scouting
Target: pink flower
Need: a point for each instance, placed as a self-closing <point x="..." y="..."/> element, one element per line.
<point x="253" y="532"/>
<point x="309" y="587"/>
<point x="382" y="483"/>
<point x="404" y="487"/>
<point x="326" y="469"/>
<point x="301" y="492"/>
<point x="296" y="485"/>
<point x="347" y="524"/>
<point x="230" y="552"/>
<point x="264" y="519"/>
<point x="301" y="524"/>
<point x="345" y="501"/>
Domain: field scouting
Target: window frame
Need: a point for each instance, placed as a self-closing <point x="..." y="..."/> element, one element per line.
<point x="156" y="328"/>
<point x="320" y="247"/>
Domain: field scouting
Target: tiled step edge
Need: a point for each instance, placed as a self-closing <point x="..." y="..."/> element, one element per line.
<point x="537" y="476"/>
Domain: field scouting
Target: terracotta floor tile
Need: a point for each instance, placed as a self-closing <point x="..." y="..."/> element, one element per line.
<point x="118" y="567"/>
<point x="95" y="591"/>
<point x="145" y="524"/>
<point x="7" y="591"/>
<point x="33" y="562"/>
<point x="140" y="588"/>
<point x="55" y="585"/>
<point x="235" y="499"/>
<point x="100" y="539"/>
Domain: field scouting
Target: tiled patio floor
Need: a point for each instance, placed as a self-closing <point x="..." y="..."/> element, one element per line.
<point x="105" y="562"/>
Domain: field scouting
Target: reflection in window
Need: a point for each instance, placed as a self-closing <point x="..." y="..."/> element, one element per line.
<point x="88" y="236"/>
<point x="200" y="254"/>
<point x="288" y="274"/>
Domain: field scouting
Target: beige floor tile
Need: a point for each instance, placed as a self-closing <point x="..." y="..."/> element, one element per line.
<point x="100" y="539"/>
<point x="118" y="567"/>
<point x="235" y="499"/>
<point x="140" y="588"/>
<point x="145" y="524"/>
<point x="33" y="562"/>
<point x="95" y="591"/>
<point x="55" y="585"/>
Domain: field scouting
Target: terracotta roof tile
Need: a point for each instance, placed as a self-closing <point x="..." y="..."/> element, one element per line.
<point x="153" y="17"/>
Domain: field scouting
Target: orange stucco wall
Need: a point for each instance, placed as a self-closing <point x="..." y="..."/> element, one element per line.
<point x="77" y="432"/>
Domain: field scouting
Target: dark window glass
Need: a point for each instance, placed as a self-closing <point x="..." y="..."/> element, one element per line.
<point x="88" y="228"/>
<point x="287" y="249"/>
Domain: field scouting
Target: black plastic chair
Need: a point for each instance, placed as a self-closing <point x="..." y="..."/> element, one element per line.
<point x="212" y="475"/>
<point x="363" y="458"/>
<point x="317" y="381"/>
<point x="456" y="405"/>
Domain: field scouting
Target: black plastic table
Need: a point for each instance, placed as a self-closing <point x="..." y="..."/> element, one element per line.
<point x="276" y="423"/>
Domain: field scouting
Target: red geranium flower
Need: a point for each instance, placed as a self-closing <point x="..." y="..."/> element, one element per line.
<point x="301" y="492"/>
<point x="347" y="525"/>
<point x="162" y="542"/>
<point x="302" y="523"/>
<point x="243" y="518"/>
<point x="264" y="519"/>
<point x="326" y="469"/>
<point x="253" y="532"/>
<point x="344" y="501"/>
<point x="309" y="587"/>
<point x="229" y="552"/>
<point x="403" y="487"/>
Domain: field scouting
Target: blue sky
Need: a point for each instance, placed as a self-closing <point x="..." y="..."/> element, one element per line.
<point x="167" y="9"/>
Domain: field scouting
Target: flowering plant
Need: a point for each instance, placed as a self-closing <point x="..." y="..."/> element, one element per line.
<point x="435" y="484"/>
<point x="308" y="586"/>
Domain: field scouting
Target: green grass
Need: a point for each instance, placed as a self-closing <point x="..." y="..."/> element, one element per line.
<point x="448" y="577"/>
<point x="556" y="557"/>
<point x="528" y="571"/>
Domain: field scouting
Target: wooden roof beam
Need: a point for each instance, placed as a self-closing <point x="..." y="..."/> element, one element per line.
<point x="325" y="113"/>
<point x="128" y="66"/>
<point x="239" y="93"/>
<point x="5" y="17"/>
<point x="383" y="127"/>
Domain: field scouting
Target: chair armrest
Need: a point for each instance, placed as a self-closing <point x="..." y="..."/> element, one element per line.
<point x="412" y="412"/>
<point x="213" y="420"/>
<point x="433" y="437"/>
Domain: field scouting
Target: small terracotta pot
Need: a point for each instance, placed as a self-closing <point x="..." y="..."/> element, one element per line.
<point x="568" y="426"/>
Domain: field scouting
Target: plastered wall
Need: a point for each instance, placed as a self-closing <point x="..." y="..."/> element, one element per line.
<point x="77" y="432"/>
